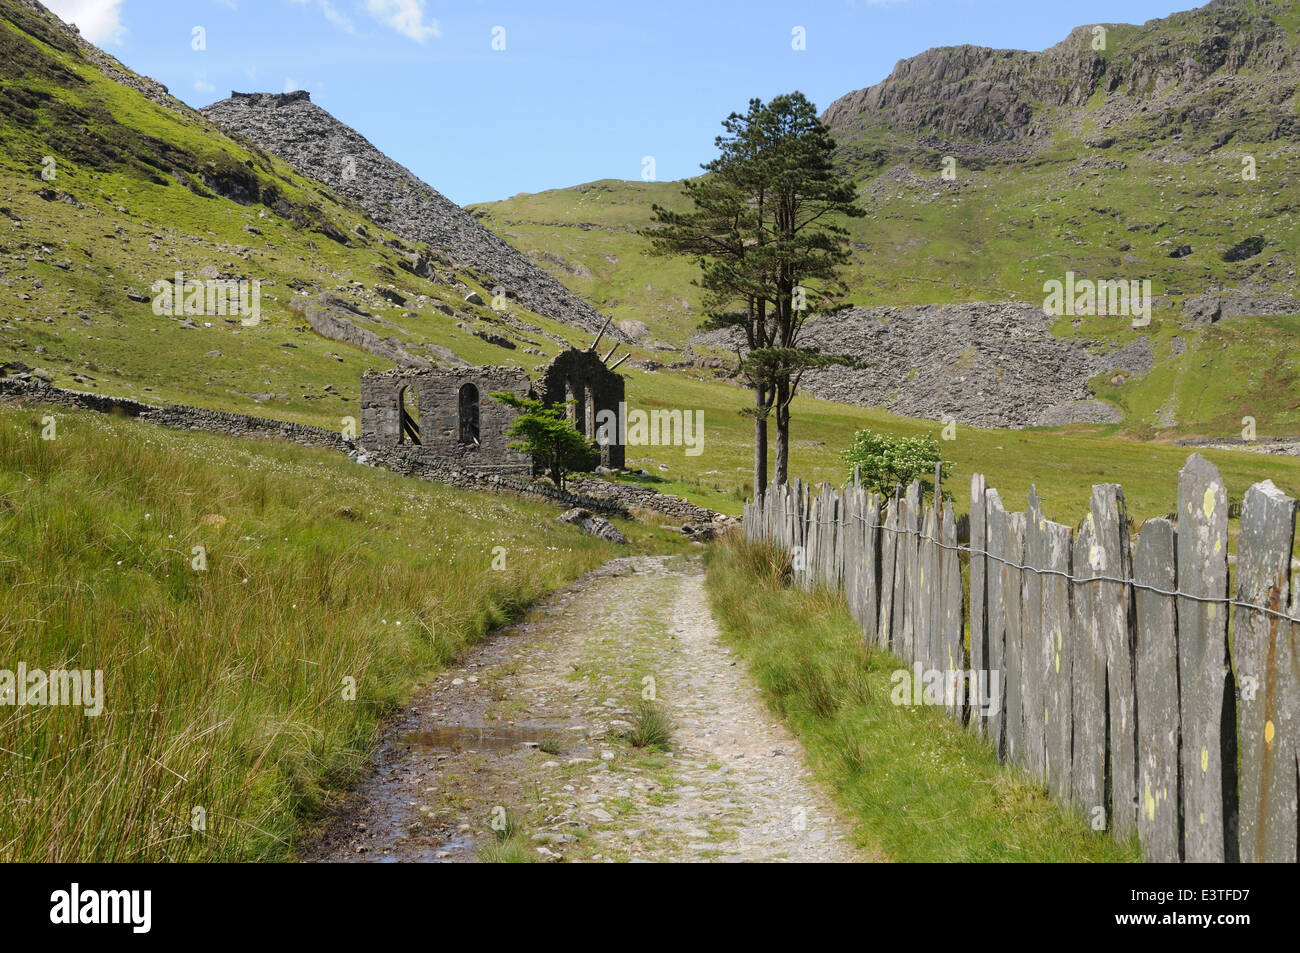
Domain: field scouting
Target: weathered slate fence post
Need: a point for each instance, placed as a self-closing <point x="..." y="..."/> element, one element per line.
<point x="979" y="650"/>
<point x="1264" y="646"/>
<point x="1113" y="601"/>
<point x="1088" y="763"/>
<point x="1204" y="675"/>
<point x="1058" y="659"/>
<point x="1156" y="661"/>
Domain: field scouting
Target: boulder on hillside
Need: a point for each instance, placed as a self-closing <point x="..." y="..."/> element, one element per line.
<point x="636" y="330"/>
<point x="1246" y="248"/>
<point x="330" y="318"/>
<point x="589" y="522"/>
<point x="703" y="532"/>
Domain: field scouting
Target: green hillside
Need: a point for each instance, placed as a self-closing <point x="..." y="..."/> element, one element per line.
<point x="588" y="237"/>
<point x="139" y="191"/>
<point x="235" y="593"/>
<point x="1064" y="463"/>
<point x="149" y="178"/>
<point x="998" y="234"/>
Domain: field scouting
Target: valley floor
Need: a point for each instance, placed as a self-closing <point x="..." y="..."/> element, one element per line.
<point x="518" y="752"/>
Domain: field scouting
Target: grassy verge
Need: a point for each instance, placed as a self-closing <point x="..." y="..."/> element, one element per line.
<point x="917" y="785"/>
<point x="228" y="705"/>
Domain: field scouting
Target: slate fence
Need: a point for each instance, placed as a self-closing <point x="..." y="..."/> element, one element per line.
<point x="1130" y="681"/>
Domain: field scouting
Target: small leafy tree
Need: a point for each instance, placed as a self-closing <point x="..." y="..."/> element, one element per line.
<point x="546" y="433"/>
<point x="888" y="460"/>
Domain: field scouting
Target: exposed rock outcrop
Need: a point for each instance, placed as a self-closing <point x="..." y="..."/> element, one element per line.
<point x="331" y="318"/>
<point x="1235" y="303"/>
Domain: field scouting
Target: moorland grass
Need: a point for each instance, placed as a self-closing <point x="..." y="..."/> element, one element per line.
<point x="228" y="688"/>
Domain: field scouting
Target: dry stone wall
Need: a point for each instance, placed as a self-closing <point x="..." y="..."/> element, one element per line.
<point x="599" y="496"/>
<point x="177" y="416"/>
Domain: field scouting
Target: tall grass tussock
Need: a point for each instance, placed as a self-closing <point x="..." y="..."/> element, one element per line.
<point x="236" y="695"/>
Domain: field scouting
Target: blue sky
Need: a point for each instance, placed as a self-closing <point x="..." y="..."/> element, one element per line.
<point x="581" y="90"/>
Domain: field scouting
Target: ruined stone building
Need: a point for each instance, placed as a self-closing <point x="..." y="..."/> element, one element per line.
<point x="446" y="416"/>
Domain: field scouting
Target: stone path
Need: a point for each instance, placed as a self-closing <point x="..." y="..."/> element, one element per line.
<point x="527" y="734"/>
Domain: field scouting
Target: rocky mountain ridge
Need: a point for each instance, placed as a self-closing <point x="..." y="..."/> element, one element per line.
<point x="1225" y="70"/>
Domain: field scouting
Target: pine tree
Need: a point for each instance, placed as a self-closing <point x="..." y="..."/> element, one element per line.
<point x="764" y="228"/>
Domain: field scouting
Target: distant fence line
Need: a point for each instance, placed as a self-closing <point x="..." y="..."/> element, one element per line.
<point x="1119" y="686"/>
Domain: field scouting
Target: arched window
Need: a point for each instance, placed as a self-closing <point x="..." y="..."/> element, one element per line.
<point x="408" y="416"/>
<point x="468" y="411"/>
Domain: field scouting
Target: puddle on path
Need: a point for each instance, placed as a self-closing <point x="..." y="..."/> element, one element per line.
<point x="552" y="738"/>
<point x="450" y="849"/>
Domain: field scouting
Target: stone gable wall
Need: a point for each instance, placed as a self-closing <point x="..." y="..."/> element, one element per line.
<point x="437" y="402"/>
<point x="583" y="376"/>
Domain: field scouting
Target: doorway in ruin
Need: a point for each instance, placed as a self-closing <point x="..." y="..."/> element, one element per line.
<point x="468" y="414"/>
<point x="570" y="404"/>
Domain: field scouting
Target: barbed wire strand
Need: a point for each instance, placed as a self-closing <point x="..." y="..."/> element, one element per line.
<point x="1217" y="600"/>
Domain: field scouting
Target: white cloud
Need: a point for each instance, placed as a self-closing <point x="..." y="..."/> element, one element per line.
<point x="291" y="85"/>
<point x="203" y="86"/>
<point x="404" y="16"/>
<point x="332" y="13"/>
<point x="98" y="20"/>
<point x="336" y="16"/>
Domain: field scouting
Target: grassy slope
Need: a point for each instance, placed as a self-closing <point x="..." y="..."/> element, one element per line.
<point x="587" y="236"/>
<point x="916" y="784"/>
<point x="274" y="740"/>
<point x="138" y="171"/>
<point x="999" y="235"/>
<point x="224" y="686"/>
